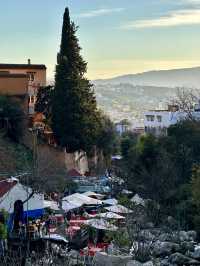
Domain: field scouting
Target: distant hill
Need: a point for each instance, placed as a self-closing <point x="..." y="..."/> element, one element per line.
<point x="129" y="96"/>
<point x="186" y="77"/>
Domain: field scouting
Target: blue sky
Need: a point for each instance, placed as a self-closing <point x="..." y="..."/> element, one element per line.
<point x="117" y="37"/>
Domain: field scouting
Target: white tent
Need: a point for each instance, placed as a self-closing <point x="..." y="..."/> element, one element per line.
<point x="118" y="209"/>
<point x="101" y="224"/>
<point x="93" y="194"/>
<point x="51" y="205"/>
<point x="111" y="201"/>
<point x="110" y="215"/>
<point x="67" y="206"/>
<point x="78" y="199"/>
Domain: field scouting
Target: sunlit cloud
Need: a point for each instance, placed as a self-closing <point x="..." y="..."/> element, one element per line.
<point x="175" y="18"/>
<point x="100" y="12"/>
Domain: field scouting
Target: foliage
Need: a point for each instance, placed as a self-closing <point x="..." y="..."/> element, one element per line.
<point x="160" y="168"/>
<point x="44" y="101"/>
<point x="11" y="115"/>
<point x="195" y="186"/>
<point x="106" y="136"/>
<point x="75" y="119"/>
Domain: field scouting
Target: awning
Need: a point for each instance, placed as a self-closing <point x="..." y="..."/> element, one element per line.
<point x="51" y="205"/>
<point x="101" y="224"/>
<point x="110" y="215"/>
<point x="118" y="209"/>
<point x="78" y="200"/>
<point x="110" y="201"/>
<point x="67" y="206"/>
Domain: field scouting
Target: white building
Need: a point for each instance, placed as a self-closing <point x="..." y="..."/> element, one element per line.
<point x="157" y="121"/>
<point x="11" y="191"/>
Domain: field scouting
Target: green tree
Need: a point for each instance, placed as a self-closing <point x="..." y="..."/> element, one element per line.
<point x="11" y="116"/>
<point x="44" y="101"/>
<point x="107" y="136"/>
<point x="75" y="119"/>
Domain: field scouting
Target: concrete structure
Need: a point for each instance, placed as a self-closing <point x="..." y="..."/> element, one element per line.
<point x="157" y="122"/>
<point x="36" y="78"/>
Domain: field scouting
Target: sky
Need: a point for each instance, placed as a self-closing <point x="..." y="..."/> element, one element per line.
<point x="117" y="37"/>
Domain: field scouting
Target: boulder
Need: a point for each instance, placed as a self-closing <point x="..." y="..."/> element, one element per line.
<point x="148" y="263"/>
<point x="186" y="247"/>
<point x="183" y="236"/>
<point x="162" y="249"/>
<point x="146" y="235"/>
<point x="196" y="254"/>
<point x="192" y="235"/>
<point x="180" y="259"/>
<point x="103" y="259"/>
<point x="133" y="263"/>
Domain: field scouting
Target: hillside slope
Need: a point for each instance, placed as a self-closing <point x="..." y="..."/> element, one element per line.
<point x="186" y="77"/>
<point x="14" y="158"/>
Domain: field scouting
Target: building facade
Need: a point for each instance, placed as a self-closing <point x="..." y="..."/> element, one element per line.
<point x="157" y="122"/>
<point x="36" y="78"/>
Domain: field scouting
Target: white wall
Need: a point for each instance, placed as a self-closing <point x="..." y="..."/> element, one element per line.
<point x="168" y="119"/>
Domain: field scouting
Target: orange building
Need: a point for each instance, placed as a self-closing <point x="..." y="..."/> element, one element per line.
<point x="36" y="78"/>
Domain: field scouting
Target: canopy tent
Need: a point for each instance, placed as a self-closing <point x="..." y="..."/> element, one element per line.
<point x="67" y="206"/>
<point x="78" y="200"/>
<point x="101" y="224"/>
<point x="110" y="215"/>
<point x="118" y="209"/>
<point x="51" y="205"/>
<point x="93" y="195"/>
<point x="110" y="201"/>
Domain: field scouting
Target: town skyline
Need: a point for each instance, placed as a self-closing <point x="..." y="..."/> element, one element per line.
<point x="116" y="38"/>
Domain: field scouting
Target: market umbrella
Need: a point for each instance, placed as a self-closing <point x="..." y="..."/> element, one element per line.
<point x="118" y="209"/>
<point x="101" y="224"/>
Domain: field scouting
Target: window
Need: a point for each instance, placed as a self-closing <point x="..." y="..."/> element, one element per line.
<point x="159" y="118"/>
<point x="150" y="117"/>
<point x="31" y="76"/>
<point x="32" y="99"/>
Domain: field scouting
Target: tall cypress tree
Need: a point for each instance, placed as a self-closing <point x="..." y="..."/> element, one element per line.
<point x="75" y="118"/>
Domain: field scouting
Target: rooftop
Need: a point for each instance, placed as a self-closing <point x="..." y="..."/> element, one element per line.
<point x="21" y="66"/>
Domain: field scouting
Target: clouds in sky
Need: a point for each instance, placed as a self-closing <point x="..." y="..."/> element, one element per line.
<point x="100" y="12"/>
<point x="188" y="13"/>
<point x="174" y="18"/>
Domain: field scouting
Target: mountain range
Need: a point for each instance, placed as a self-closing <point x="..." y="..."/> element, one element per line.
<point x="129" y="96"/>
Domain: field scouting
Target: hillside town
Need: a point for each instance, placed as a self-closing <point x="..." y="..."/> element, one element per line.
<point x="80" y="188"/>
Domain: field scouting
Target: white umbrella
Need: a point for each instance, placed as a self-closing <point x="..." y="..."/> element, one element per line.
<point x="101" y="224"/>
<point x="111" y="201"/>
<point x="51" y="205"/>
<point x="110" y="215"/>
<point x="67" y="206"/>
<point x="81" y="199"/>
<point x="118" y="209"/>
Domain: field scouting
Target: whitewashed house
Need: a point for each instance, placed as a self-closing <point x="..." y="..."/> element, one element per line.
<point x="11" y="190"/>
<point x="157" y="122"/>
